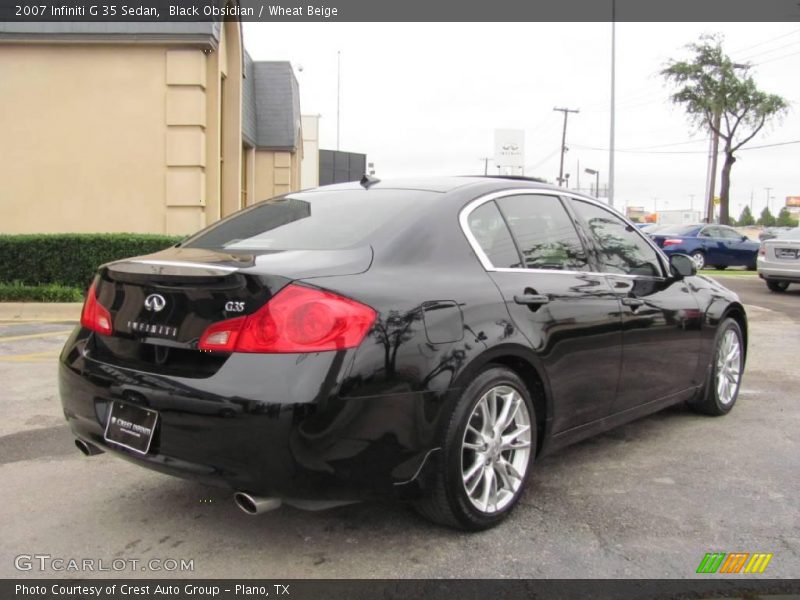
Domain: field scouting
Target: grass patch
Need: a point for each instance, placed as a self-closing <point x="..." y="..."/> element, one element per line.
<point x="51" y="292"/>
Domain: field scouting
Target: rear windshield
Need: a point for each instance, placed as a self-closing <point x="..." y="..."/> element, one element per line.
<point x="312" y="221"/>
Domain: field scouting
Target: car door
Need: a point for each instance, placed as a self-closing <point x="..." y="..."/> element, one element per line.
<point x="569" y="314"/>
<point x="661" y="319"/>
<point x="740" y="249"/>
<point x="713" y="244"/>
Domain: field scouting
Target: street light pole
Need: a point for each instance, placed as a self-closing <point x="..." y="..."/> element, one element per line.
<point x="338" y="91"/>
<point x="596" y="174"/>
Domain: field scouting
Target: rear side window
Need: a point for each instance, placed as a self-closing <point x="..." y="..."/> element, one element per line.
<point x="312" y="221"/>
<point x="544" y="232"/>
<point x="621" y="248"/>
<point x="489" y="229"/>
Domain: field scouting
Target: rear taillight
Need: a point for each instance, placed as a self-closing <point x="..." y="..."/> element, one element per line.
<point x="298" y="319"/>
<point x="672" y="242"/>
<point x="762" y="250"/>
<point x="95" y="316"/>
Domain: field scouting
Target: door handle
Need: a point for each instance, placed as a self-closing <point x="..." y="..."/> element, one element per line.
<point x="532" y="299"/>
<point x="634" y="303"/>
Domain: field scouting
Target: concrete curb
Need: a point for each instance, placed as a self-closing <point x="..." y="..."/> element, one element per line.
<point x="40" y="311"/>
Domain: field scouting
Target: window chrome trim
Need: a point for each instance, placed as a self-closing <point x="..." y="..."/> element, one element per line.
<point x="463" y="219"/>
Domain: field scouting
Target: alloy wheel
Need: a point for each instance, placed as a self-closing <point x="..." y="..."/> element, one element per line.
<point x="699" y="260"/>
<point x="496" y="449"/>
<point x="729" y="365"/>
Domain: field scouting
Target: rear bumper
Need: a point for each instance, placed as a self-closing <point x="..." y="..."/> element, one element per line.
<point x="266" y="424"/>
<point x="778" y="270"/>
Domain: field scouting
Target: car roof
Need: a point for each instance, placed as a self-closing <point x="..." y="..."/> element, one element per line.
<point x="447" y="184"/>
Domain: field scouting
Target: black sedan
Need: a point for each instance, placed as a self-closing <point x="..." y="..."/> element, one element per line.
<point x="719" y="246"/>
<point x="424" y="339"/>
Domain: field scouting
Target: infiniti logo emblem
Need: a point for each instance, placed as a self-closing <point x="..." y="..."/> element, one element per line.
<point x="155" y="302"/>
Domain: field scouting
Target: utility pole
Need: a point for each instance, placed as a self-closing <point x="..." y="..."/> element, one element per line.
<point x="613" y="106"/>
<point x="485" y="160"/>
<point x="566" y="112"/>
<point x="338" y="91"/>
<point x="768" y="190"/>
<point x="712" y="175"/>
<point x="578" y="176"/>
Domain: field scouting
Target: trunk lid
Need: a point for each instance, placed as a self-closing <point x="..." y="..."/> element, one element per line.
<point x="160" y="304"/>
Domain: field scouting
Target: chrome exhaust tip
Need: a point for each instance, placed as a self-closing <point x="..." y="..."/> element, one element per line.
<point x="255" y="505"/>
<point x="87" y="448"/>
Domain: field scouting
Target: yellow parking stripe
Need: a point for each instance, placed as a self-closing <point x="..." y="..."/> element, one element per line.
<point x="16" y="338"/>
<point x="32" y="357"/>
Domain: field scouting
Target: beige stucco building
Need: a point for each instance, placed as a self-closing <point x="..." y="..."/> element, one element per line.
<point x="140" y="127"/>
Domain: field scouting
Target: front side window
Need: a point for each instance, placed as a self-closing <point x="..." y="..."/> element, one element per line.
<point x="621" y="248"/>
<point x="544" y="232"/>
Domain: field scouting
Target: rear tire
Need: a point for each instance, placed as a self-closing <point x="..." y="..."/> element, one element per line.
<point x="699" y="260"/>
<point x="725" y="372"/>
<point x="777" y="286"/>
<point x="488" y="448"/>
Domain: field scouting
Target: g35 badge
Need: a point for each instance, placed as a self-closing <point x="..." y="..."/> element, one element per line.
<point x="233" y="306"/>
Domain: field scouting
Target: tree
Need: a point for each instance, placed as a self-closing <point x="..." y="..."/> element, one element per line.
<point x="767" y="219"/>
<point x="717" y="99"/>
<point x="746" y="218"/>
<point x="785" y="218"/>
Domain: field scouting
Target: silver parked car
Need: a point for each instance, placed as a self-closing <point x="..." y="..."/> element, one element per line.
<point x="779" y="260"/>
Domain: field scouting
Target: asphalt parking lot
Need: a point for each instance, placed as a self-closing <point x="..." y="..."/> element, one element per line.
<point x="645" y="500"/>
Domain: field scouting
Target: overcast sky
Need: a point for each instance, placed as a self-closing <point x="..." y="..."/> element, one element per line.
<point x="425" y="99"/>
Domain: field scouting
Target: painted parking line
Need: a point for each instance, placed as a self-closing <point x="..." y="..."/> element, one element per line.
<point x="31" y="336"/>
<point x="31" y="357"/>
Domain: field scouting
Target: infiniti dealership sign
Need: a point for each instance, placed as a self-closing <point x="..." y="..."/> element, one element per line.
<point x="509" y="151"/>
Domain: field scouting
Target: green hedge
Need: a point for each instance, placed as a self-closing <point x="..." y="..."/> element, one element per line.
<point x="51" y="292"/>
<point x="69" y="259"/>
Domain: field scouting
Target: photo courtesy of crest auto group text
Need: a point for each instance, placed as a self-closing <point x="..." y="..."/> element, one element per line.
<point x="399" y="300"/>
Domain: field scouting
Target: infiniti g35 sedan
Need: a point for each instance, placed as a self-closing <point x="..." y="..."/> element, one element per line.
<point x="427" y="340"/>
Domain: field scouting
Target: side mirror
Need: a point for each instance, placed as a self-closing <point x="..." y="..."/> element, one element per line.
<point x="745" y="238"/>
<point x="682" y="265"/>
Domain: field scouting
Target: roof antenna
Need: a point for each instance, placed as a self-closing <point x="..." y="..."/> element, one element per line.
<point x="368" y="180"/>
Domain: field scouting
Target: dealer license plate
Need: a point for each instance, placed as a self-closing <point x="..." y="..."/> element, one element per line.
<point x="131" y="426"/>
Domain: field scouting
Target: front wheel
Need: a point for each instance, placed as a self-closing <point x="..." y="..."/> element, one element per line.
<point x="725" y="372"/>
<point x="488" y="448"/>
<point x="777" y="286"/>
<point x="699" y="260"/>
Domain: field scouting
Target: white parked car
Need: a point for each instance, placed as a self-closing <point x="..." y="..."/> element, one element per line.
<point x="778" y="260"/>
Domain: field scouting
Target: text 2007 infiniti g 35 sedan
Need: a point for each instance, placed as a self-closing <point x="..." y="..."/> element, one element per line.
<point x="428" y="339"/>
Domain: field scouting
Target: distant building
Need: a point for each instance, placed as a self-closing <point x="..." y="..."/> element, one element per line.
<point x="635" y="213"/>
<point x="141" y="127"/>
<point x="679" y="217"/>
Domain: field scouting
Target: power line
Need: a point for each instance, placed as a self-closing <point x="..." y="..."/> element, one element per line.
<point x="769" y="50"/>
<point x="768" y="41"/>
<point x="777" y="58"/>
<point x="635" y="151"/>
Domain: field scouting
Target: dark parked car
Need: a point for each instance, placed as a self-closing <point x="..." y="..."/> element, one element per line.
<point x="424" y="339"/>
<point x="719" y="246"/>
